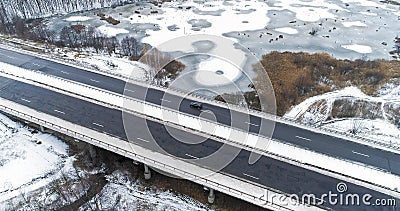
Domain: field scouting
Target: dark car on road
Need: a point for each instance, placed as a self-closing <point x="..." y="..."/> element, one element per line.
<point x="196" y="105"/>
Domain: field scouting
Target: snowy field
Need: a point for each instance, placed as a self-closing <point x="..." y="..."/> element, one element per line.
<point x="28" y="159"/>
<point x="132" y="194"/>
<point x="107" y="63"/>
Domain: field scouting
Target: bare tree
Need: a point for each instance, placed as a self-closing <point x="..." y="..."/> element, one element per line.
<point x="356" y="126"/>
<point x="130" y="47"/>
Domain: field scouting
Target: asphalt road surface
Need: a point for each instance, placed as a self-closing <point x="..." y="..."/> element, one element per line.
<point x="321" y="143"/>
<point x="152" y="135"/>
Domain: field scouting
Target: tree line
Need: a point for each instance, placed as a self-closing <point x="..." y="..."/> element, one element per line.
<point x="9" y="9"/>
<point x="76" y="37"/>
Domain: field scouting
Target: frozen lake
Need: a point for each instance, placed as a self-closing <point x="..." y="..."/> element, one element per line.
<point x="346" y="29"/>
<point x="253" y="23"/>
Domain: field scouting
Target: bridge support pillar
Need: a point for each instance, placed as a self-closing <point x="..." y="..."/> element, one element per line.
<point x="211" y="196"/>
<point x="147" y="172"/>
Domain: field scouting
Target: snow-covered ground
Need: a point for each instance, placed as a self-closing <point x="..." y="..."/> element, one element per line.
<point x="111" y="64"/>
<point x="376" y="117"/>
<point x="28" y="158"/>
<point x="124" y="193"/>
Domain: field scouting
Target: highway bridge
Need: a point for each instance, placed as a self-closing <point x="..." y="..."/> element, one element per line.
<point x="87" y="116"/>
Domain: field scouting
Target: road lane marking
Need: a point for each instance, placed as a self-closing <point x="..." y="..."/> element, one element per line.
<point x="165" y="100"/>
<point x="59" y="111"/>
<point x="128" y="90"/>
<point x="34" y="64"/>
<point x="66" y="73"/>
<point x="98" y="124"/>
<point x="94" y="80"/>
<point x="307" y="139"/>
<point x="252" y="124"/>
<point x="191" y="156"/>
<point x="251" y="176"/>
<point x="143" y="140"/>
<point x="28" y="101"/>
<point x="358" y="153"/>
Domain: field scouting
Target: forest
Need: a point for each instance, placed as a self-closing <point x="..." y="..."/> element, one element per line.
<point x="10" y="9"/>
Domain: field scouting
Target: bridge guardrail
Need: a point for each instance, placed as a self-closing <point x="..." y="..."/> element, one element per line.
<point x="84" y="137"/>
<point x="132" y="99"/>
<point x="329" y="131"/>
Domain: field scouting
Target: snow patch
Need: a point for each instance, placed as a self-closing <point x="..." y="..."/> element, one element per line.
<point x="27" y="156"/>
<point x="358" y="48"/>
<point x="287" y="30"/>
<point x="112" y="31"/>
<point x="77" y="19"/>
<point x="215" y="71"/>
<point x="354" y="23"/>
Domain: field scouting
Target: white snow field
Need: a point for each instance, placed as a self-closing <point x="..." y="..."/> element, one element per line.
<point x="28" y="159"/>
<point x="112" y="64"/>
<point x="133" y="194"/>
<point x="112" y="31"/>
<point x="358" y="48"/>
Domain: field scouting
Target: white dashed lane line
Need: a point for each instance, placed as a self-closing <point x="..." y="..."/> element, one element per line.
<point x="249" y="123"/>
<point x="59" y="111"/>
<point x="143" y="140"/>
<point x="28" y="101"/>
<point x="299" y="137"/>
<point x="165" y="100"/>
<point x="95" y="81"/>
<point x="191" y="156"/>
<point x="248" y="175"/>
<point x="358" y="153"/>
<point x="128" y="90"/>
<point x="98" y="124"/>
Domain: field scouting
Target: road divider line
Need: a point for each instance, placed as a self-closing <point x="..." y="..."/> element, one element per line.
<point x="165" y="100"/>
<point x="143" y="140"/>
<point x="358" y="153"/>
<point x="128" y="90"/>
<point x="252" y="124"/>
<point x="299" y="137"/>
<point x="96" y="81"/>
<point x="98" y="124"/>
<point x="59" y="111"/>
<point x="28" y="101"/>
<point x="66" y="73"/>
<point x="248" y="175"/>
<point x="191" y="156"/>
